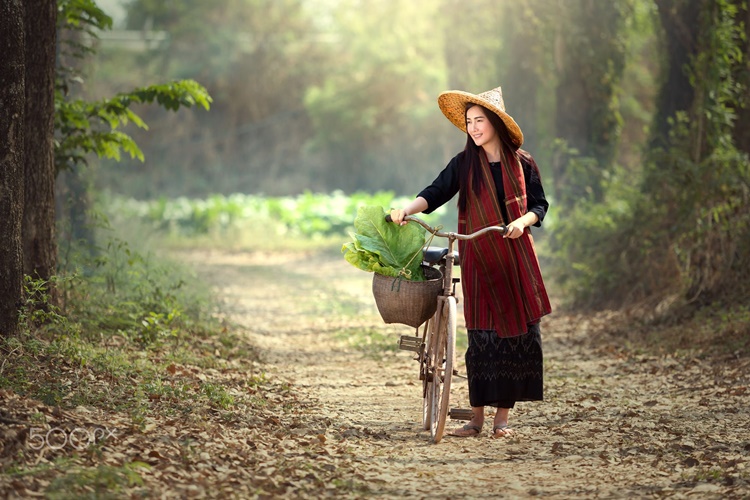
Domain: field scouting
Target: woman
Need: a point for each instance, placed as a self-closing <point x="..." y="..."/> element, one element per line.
<point x="504" y="294"/>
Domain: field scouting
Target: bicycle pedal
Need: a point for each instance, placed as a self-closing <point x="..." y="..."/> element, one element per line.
<point x="459" y="375"/>
<point x="409" y="343"/>
<point x="461" y="414"/>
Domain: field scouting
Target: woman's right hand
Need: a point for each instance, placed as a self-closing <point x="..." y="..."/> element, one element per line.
<point x="397" y="216"/>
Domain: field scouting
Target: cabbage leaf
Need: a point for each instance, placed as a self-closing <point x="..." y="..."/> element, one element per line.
<point x="383" y="247"/>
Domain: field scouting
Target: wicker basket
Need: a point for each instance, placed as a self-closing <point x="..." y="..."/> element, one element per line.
<point x="408" y="302"/>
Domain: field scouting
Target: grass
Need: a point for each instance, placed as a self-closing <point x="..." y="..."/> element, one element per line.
<point x="102" y="482"/>
<point x="72" y="481"/>
<point x="120" y="377"/>
<point x="134" y="336"/>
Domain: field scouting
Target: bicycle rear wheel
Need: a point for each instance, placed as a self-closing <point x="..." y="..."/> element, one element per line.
<point x="443" y="348"/>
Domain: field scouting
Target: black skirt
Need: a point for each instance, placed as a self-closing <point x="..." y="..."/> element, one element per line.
<point x="502" y="371"/>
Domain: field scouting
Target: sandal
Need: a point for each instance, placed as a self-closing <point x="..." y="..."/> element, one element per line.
<point x="506" y="431"/>
<point x="466" y="428"/>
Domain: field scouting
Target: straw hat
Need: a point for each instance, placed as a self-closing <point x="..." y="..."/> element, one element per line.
<point x="453" y="105"/>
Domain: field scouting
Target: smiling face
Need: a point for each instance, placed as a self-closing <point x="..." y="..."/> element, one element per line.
<point x="479" y="127"/>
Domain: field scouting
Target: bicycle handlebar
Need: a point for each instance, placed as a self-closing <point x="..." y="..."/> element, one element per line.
<point x="457" y="236"/>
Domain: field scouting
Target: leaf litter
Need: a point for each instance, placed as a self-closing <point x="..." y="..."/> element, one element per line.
<point x="332" y="419"/>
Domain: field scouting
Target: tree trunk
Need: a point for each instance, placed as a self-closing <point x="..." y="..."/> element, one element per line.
<point x="39" y="246"/>
<point x="12" y="112"/>
<point x="741" y="133"/>
<point x="680" y="20"/>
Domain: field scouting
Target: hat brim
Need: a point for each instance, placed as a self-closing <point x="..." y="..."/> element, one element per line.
<point x="453" y="105"/>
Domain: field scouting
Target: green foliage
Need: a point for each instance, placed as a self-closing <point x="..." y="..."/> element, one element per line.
<point x="656" y="241"/>
<point x="592" y="45"/>
<point x="125" y="319"/>
<point x="308" y="95"/>
<point x="385" y="248"/>
<point x="156" y="326"/>
<point x="86" y="127"/>
<point x="83" y="126"/>
<point x="319" y="96"/>
<point x="700" y="180"/>
<point x="639" y="83"/>
<point x="133" y="294"/>
<point x="217" y="395"/>
<point x="578" y="178"/>
<point x="257" y="59"/>
<point x="712" y="69"/>
<point x="377" y="87"/>
<point x="81" y="18"/>
<point x="309" y="215"/>
<point x="590" y="263"/>
<point x="37" y="310"/>
<point x="103" y="481"/>
<point x="84" y="15"/>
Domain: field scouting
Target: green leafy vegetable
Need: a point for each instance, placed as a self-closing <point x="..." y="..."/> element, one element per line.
<point x="383" y="247"/>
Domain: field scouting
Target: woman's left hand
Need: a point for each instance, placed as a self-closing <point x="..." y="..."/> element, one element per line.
<point x="515" y="230"/>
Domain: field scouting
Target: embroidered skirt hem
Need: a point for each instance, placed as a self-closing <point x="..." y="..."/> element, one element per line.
<point x="502" y="371"/>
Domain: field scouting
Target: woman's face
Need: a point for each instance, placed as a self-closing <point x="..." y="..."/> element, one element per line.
<point x="479" y="127"/>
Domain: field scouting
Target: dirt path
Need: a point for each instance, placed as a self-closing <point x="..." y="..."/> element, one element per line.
<point x="614" y="423"/>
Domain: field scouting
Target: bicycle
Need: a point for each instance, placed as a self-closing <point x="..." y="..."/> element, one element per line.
<point x="436" y="347"/>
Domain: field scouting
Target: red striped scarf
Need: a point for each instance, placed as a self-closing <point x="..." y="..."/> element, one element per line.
<point x="501" y="279"/>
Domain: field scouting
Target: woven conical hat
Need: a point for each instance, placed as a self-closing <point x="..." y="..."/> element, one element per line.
<point x="453" y="105"/>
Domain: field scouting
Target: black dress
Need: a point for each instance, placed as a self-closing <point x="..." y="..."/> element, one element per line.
<point x="501" y="371"/>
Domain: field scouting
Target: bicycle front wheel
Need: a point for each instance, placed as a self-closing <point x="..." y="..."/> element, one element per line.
<point x="425" y="372"/>
<point x="443" y="350"/>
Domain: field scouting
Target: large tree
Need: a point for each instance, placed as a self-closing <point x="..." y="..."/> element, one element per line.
<point x="39" y="247"/>
<point x="12" y="110"/>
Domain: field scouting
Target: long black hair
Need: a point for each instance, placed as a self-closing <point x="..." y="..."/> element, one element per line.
<point x="471" y="161"/>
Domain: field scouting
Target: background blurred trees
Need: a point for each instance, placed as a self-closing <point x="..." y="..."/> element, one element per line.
<point x="373" y="110"/>
<point x="589" y="50"/>
<point x="257" y="59"/>
<point x="679" y="236"/>
<point x="326" y="94"/>
<point x="636" y="111"/>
